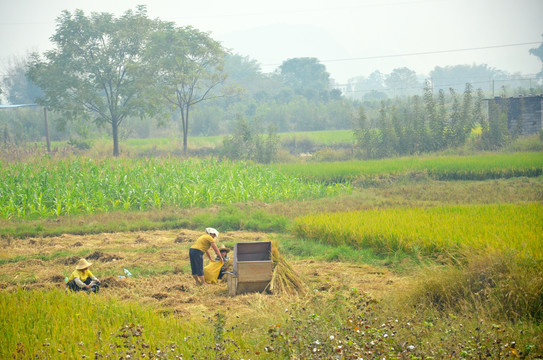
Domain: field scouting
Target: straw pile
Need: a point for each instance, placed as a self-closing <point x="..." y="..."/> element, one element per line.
<point x="284" y="279"/>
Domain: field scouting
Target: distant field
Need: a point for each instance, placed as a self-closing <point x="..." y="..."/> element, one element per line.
<point x="318" y="137"/>
<point x="478" y="167"/>
<point x="322" y="137"/>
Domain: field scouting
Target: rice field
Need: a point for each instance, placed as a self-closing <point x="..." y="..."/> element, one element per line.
<point x="49" y="188"/>
<point x="507" y="228"/>
<point x="160" y="313"/>
<point x="477" y="167"/>
<point x="160" y="306"/>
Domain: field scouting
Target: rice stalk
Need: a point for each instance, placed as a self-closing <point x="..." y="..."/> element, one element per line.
<point x="284" y="279"/>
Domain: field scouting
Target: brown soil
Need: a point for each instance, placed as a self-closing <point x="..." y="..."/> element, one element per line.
<point x="162" y="280"/>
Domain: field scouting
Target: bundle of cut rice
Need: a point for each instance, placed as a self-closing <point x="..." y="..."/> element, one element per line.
<point x="284" y="279"/>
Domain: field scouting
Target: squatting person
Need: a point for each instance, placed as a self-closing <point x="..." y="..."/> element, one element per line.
<point x="83" y="279"/>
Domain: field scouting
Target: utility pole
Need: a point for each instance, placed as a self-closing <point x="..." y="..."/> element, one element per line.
<point x="492" y="88"/>
<point x="46" y="130"/>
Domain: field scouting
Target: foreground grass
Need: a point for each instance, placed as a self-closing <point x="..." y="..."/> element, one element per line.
<point x="348" y="324"/>
<point x="47" y="324"/>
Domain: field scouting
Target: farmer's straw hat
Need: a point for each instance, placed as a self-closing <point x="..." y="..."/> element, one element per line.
<point x="210" y="231"/>
<point x="82" y="264"/>
<point x="223" y="248"/>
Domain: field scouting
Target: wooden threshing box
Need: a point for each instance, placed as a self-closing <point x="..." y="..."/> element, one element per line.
<point x="252" y="268"/>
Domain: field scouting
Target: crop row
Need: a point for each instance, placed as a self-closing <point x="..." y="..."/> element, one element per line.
<point x="433" y="231"/>
<point x="51" y="188"/>
<point x="480" y="167"/>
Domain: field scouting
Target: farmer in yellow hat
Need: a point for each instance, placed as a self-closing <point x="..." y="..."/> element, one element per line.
<point x="83" y="279"/>
<point x="196" y="254"/>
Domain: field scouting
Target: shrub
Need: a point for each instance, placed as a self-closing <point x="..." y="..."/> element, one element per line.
<point x="491" y="284"/>
<point x="298" y="145"/>
<point x="246" y="143"/>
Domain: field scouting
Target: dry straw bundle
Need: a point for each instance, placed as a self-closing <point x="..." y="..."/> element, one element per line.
<point x="284" y="279"/>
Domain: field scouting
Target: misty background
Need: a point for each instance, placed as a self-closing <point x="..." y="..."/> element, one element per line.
<point x="379" y="55"/>
<point x="350" y="37"/>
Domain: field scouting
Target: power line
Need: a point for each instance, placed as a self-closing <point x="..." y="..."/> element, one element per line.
<point x="424" y="53"/>
<point x="420" y="86"/>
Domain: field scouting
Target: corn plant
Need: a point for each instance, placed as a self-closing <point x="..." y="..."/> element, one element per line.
<point x="49" y="188"/>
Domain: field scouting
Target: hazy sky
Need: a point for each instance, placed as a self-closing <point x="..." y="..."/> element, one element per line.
<point x="351" y="37"/>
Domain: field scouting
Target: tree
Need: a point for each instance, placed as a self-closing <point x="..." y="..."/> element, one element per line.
<point x="457" y="75"/>
<point x="306" y="76"/>
<point x="17" y="86"/>
<point x="435" y="123"/>
<point x="456" y="128"/>
<point x="443" y="117"/>
<point x="367" y="139"/>
<point x="370" y="88"/>
<point x="246" y="73"/>
<point x="467" y="113"/>
<point x="478" y="113"/>
<point x="495" y="133"/>
<point x="402" y="81"/>
<point x="187" y="67"/>
<point x="538" y="52"/>
<point x="93" y="70"/>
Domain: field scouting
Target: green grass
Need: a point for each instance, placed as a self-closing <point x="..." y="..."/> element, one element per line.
<point x="54" y="324"/>
<point x="59" y="325"/>
<point x="228" y="217"/>
<point x="175" y="144"/>
<point x="475" y="309"/>
<point x="299" y="249"/>
<point x="475" y="167"/>
<point x="330" y="137"/>
<point x="276" y="217"/>
<point x="250" y="219"/>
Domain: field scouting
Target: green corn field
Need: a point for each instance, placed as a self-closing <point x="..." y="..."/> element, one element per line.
<point x="49" y="188"/>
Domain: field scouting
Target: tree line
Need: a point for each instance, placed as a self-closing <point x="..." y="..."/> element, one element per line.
<point x="142" y="77"/>
<point x="428" y="123"/>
